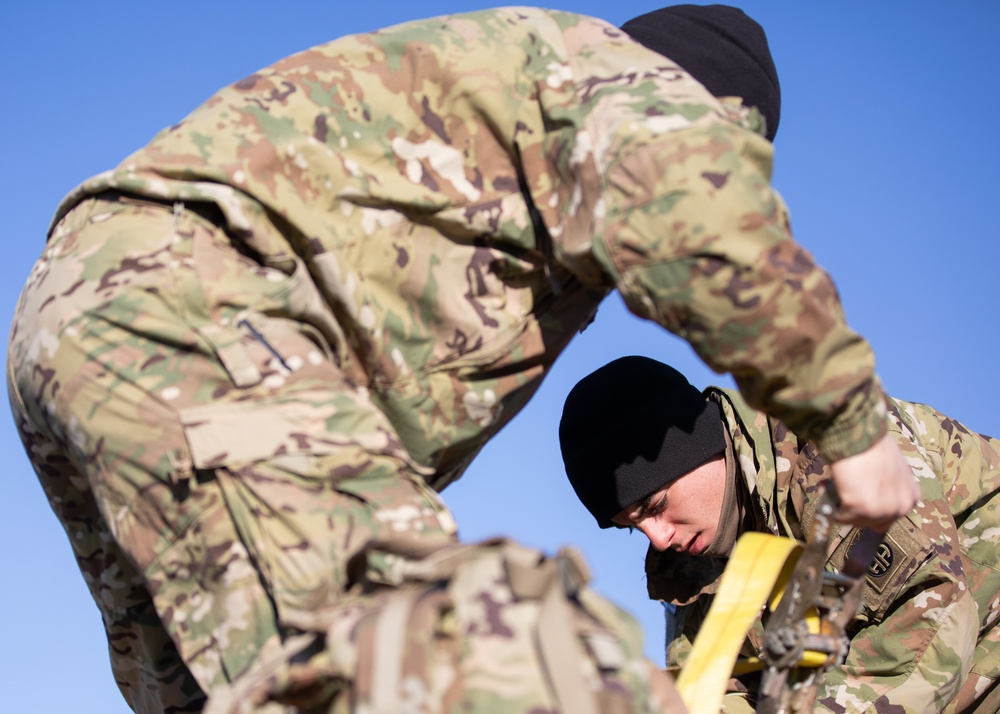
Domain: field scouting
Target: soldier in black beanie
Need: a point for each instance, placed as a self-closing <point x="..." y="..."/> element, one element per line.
<point x="694" y="470"/>
<point x="636" y="429"/>
<point x="630" y="428"/>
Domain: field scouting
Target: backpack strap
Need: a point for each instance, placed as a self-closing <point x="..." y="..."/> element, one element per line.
<point x="389" y="641"/>
<point x="556" y="635"/>
<point x="530" y="576"/>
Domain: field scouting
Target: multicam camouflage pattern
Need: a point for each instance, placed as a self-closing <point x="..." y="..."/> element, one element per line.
<point x="395" y="644"/>
<point x="248" y="349"/>
<point x="210" y="488"/>
<point x="388" y="167"/>
<point x="926" y="639"/>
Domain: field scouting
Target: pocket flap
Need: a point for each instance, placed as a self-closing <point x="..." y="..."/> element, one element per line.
<point x="220" y="434"/>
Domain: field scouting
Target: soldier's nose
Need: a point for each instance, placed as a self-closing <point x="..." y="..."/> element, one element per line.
<point x="659" y="535"/>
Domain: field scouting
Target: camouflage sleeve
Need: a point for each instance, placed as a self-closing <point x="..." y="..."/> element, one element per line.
<point x="648" y="181"/>
<point x="925" y="600"/>
<point x="697" y="241"/>
<point x="917" y="658"/>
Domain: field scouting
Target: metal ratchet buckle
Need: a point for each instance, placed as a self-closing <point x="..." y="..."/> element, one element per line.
<point x="805" y="636"/>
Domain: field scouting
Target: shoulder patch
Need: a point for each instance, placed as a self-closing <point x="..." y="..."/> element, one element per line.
<point x="902" y="551"/>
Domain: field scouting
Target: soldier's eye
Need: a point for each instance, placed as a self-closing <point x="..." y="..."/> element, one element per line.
<point x="657" y="506"/>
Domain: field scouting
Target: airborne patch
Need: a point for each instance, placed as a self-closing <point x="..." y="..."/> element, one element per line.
<point x="886" y="561"/>
<point x="899" y="549"/>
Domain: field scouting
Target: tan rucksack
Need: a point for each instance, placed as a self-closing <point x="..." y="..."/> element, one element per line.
<point x="494" y="627"/>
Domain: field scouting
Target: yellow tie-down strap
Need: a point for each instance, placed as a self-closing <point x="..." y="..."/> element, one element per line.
<point x="756" y="575"/>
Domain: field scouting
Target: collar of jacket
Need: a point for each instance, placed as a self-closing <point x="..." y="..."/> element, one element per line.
<point x="767" y="474"/>
<point x="773" y="459"/>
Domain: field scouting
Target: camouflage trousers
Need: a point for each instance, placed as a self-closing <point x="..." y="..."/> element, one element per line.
<point x="212" y="465"/>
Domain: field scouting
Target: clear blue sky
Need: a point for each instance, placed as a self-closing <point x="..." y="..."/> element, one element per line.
<point x="887" y="156"/>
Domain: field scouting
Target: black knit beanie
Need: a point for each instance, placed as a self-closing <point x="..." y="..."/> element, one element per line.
<point x="632" y="427"/>
<point x="721" y="47"/>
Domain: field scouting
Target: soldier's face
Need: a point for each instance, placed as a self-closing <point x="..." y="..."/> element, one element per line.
<point x="683" y="515"/>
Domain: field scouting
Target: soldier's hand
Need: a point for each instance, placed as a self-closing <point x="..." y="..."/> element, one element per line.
<point x="875" y="487"/>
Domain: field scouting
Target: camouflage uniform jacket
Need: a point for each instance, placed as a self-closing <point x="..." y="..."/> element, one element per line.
<point x="462" y="192"/>
<point x="926" y="639"/>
